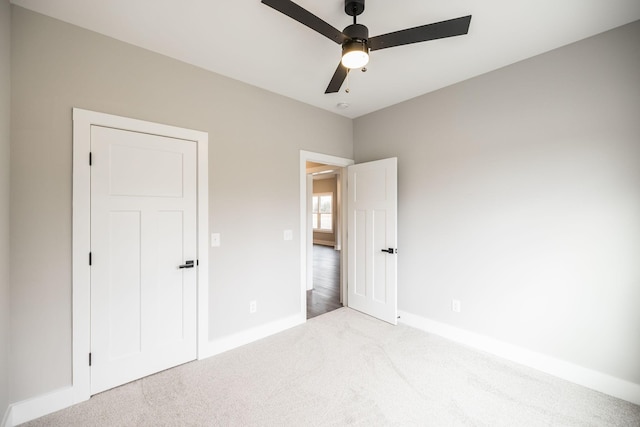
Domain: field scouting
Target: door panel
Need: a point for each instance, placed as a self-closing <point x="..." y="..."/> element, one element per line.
<point x="358" y="229"/>
<point x="380" y="258"/>
<point x="137" y="171"/>
<point x="123" y="291"/>
<point x="143" y="227"/>
<point x="372" y="200"/>
<point x="170" y="314"/>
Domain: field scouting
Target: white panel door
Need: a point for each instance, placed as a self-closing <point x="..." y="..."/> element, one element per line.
<point x="372" y="271"/>
<point x="143" y="233"/>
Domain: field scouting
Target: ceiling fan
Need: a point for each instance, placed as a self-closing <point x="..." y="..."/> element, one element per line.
<point x="355" y="40"/>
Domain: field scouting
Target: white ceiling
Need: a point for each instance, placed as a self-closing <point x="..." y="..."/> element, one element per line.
<point x="253" y="43"/>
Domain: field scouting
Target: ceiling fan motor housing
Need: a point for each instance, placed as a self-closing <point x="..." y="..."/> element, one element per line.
<point x="353" y="7"/>
<point x="356" y="32"/>
<point x="358" y="39"/>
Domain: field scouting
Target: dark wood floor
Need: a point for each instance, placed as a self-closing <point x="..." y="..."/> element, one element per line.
<point x="325" y="295"/>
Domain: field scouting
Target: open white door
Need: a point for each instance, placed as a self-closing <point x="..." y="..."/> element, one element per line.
<point x="143" y="243"/>
<point x="372" y="206"/>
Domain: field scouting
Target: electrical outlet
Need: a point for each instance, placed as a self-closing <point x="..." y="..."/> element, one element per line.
<point x="455" y="305"/>
<point x="253" y="306"/>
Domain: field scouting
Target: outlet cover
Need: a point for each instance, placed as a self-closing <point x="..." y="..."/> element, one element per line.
<point x="253" y="306"/>
<point x="456" y="306"/>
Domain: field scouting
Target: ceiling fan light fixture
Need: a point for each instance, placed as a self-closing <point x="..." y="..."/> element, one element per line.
<point x="355" y="54"/>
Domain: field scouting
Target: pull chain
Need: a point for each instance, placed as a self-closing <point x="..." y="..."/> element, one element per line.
<point x="347" y="90"/>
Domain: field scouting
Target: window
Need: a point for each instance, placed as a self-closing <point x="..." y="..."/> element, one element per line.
<point x="322" y="212"/>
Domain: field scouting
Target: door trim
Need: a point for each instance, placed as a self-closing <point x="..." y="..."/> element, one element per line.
<point x="81" y="233"/>
<point x="305" y="222"/>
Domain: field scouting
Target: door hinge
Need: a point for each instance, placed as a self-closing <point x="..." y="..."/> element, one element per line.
<point x="90" y="158"/>
<point x="197" y="262"/>
<point x="90" y="258"/>
<point x="89" y="359"/>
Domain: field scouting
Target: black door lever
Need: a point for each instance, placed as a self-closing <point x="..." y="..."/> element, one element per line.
<point x="390" y="250"/>
<point x="187" y="264"/>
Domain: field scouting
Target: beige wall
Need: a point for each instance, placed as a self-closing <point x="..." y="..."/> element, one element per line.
<point x="5" y="101"/>
<point x="55" y="67"/>
<point x="327" y="185"/>
<point x="519" y="194"/>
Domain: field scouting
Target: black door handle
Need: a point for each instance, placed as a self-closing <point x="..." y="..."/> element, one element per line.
<point x="390" y="250"/>
<point x="187" y="264"/>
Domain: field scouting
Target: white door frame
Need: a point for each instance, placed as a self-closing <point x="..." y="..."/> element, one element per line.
<point x="81" y="273"/>
<point x="305" y="244"/>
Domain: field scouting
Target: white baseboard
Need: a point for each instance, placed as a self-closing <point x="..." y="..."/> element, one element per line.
<point x="568" y="371"/>
<point x="324" y="242"/>
<point x="36" y="407"/>
<point x="245" y="337"/>
<point x="7" y="420"/>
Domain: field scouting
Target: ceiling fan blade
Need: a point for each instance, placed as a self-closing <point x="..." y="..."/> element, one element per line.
<point x="337" y="79"/>
<point x="307" y="18"/>
<point x="438" y="30"/>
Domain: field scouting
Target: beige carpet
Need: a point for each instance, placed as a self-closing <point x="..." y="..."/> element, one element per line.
<point x="345" y="368"/>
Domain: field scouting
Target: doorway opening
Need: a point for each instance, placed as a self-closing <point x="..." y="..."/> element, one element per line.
<point x="333" y="243"/>
<point x="323" y="287"/>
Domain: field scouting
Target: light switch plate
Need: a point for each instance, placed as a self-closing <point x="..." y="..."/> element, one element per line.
<point x="215" y="240"/>
<point x="288" y="235"/>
